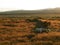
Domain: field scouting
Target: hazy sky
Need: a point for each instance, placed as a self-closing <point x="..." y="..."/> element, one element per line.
<point x="28" y="4"/>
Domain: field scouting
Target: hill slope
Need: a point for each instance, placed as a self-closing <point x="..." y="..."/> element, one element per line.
<point x="54" y="10"/>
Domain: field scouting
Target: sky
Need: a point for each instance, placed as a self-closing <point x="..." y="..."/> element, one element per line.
<point x="6" y="5"/>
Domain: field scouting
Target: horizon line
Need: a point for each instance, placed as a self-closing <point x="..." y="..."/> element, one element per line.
<point x="10" y="9"/>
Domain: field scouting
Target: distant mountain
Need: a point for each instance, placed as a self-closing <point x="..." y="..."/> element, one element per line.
<point x="52" y="10"/>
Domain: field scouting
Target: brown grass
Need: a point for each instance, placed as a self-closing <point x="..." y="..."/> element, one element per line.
<point x="18" y="32"/>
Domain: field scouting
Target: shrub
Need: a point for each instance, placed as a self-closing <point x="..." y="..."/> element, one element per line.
<point x="10" y="25"/>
